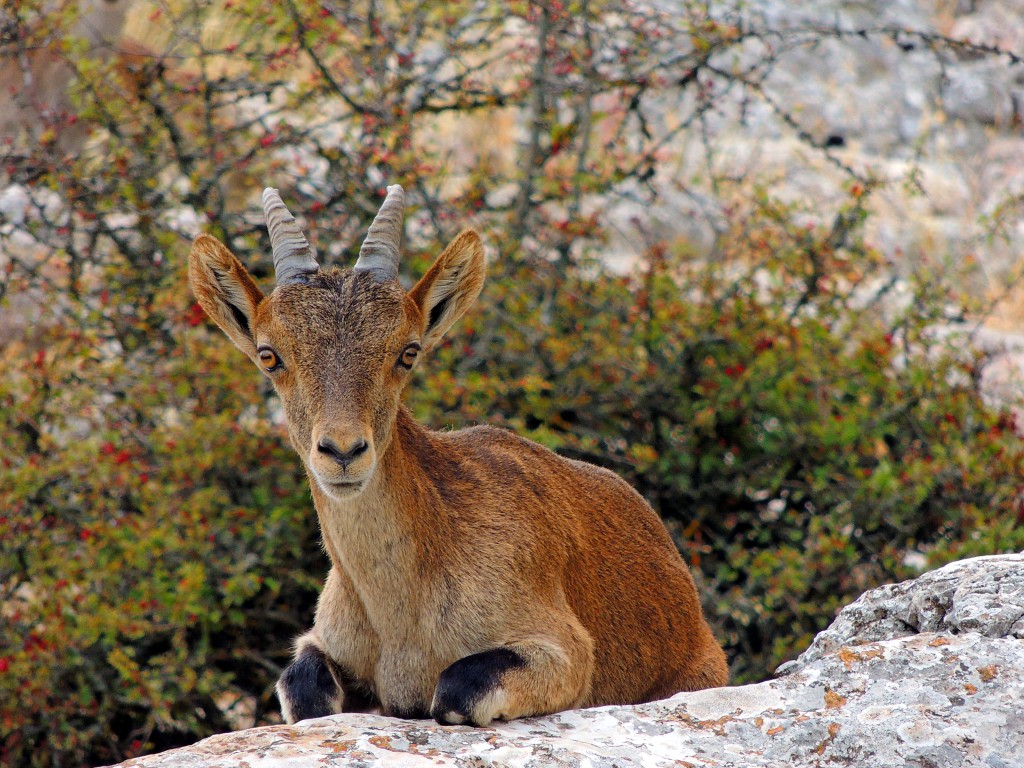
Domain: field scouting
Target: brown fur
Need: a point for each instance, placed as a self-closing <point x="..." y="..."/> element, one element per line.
<point x="457" y="543"/>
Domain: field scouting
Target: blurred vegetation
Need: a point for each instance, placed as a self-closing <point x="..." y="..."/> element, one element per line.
<point x="804" y="436"/>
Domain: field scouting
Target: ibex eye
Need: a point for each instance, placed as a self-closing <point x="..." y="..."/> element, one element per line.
<point x="409" y="356"/>
<point x="269" y="359"/>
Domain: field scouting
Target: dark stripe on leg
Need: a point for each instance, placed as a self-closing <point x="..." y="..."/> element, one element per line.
<point x="468" y="680"/>
<point x="307" y="688"/>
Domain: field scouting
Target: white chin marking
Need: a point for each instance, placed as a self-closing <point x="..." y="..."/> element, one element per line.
<point x="340" y="492"/>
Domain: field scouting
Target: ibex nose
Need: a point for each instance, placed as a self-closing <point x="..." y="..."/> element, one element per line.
<point x="344" y="456"/>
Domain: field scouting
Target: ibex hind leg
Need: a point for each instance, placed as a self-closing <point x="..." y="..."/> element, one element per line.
<point x="518" y="680"/>
<point x="470" y="690"/>
<point x="308" y="688"/>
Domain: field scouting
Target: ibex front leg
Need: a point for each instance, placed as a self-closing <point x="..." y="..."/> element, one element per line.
<point x="547" y="670"/>
<point x="308" y="687"/>
<point x="323" y="679"/>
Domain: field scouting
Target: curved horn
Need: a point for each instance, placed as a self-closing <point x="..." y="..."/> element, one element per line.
<point x="379" y="252"/>
<point x="294" y="257"/>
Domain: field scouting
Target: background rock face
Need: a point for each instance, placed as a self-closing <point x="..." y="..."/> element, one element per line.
<point x="929" y="672"/>
<point x="943" y="126"/>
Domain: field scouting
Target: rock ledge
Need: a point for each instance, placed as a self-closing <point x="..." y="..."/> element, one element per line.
<point x="929" y="672"/>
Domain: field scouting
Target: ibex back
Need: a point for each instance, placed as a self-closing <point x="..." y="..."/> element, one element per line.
<point x="475" y="575"/>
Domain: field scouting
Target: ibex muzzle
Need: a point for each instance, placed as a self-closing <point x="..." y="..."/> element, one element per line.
<point x="474" y="575"/>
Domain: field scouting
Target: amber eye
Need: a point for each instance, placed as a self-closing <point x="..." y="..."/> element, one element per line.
<point x="409" y="356"/>
<point x="269" y="358"/>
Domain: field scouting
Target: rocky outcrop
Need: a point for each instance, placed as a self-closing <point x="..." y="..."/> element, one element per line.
<point x="984" y="595"/>
<point x="940" y="123"/>
<point x="929" y="672"/>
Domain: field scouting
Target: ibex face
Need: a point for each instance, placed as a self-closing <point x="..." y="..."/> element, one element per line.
<point x="339" y="351"/>
<point x="338" y="346"/>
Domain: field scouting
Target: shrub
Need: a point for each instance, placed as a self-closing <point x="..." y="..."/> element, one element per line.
<point x="159" y="551"/>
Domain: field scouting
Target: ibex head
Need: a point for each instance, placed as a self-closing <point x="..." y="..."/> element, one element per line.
<point x="339" y="345"/>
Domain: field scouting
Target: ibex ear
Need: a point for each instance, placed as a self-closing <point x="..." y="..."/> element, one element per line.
<point x="451" y="285"/>
<point x="225" y="290"/>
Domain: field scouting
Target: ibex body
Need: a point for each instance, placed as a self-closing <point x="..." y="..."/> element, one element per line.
<point x="475" y="575"/>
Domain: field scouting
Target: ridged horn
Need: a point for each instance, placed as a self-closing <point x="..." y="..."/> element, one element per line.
<point x="294" y="257"/>
<point x="379" y="252"/>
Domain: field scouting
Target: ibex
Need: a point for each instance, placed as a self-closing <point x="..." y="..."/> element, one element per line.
<point x="475" y="575"/>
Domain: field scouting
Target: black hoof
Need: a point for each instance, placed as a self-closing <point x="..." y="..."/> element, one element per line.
<point x="307" y="688"/>
<point x="466" y="682"/>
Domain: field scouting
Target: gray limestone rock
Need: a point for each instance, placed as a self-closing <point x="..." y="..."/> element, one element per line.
<point x="984" y="595"/>
<point x="929" y="672"/>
